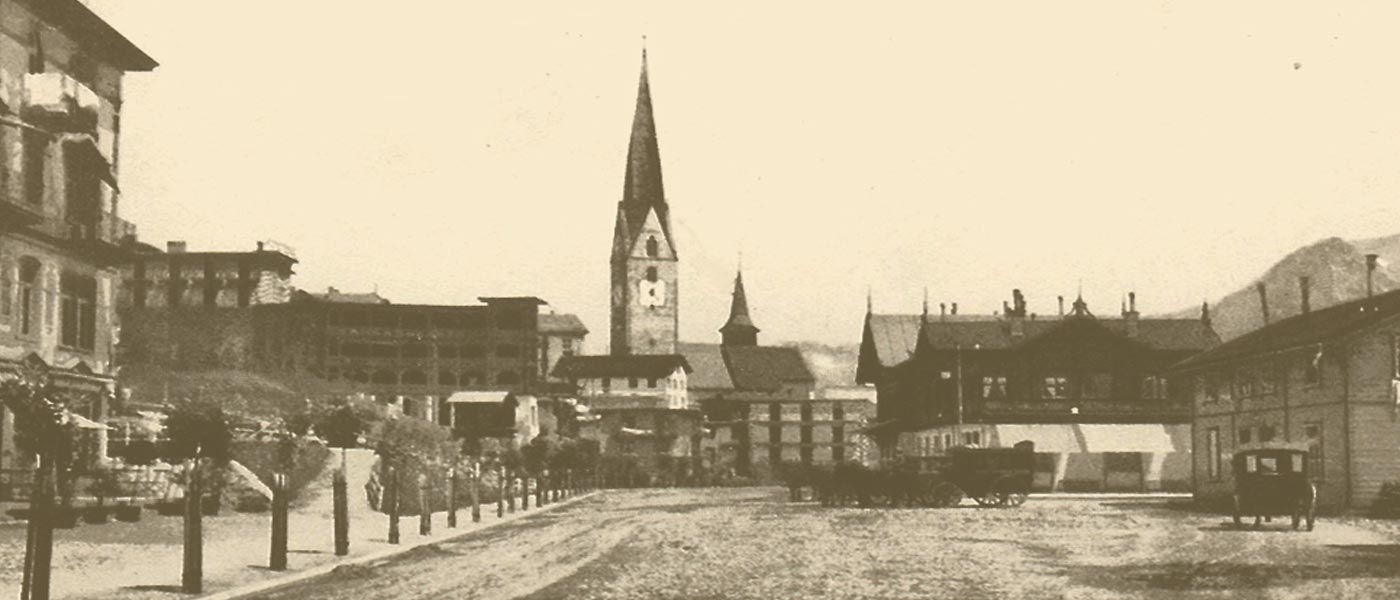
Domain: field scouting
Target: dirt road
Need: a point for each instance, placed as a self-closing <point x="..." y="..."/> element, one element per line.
<point x="751" y="544"/>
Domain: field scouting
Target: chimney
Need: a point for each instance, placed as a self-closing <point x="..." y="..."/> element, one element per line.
<point x="1130" y="316"/>
<point x="1205" y="313"/>
<point x="175" y="247"/>
<point x="1304" y="287"/>
<point x="942" y="310"/>
<point x="260" y="246"/>
<point x="1263" y="301"/>
<point x="1371" y="274"/>
<point x="1062" y="306"/>
<point x="1016" y="314"/>
<point x="954" y="309"/>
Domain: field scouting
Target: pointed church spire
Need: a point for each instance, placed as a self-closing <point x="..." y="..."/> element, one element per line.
<point x="1205" y="312"/>
<point x="642" y="189"/>
<point x="739" y="330"/>
<point x="869" y="301"/>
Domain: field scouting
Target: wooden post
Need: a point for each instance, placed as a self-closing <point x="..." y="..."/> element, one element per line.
<point x="425" y="506"/>
<point x="514" y="489"/>
<point x="525" y="493"/>
<point x="452" y="498"/>
<point x="192" y="578"/>
<point x="500" y="492"/>
<point x="476" y="492"/>
<point x="342" y="512"/>
<point x="392" y="497"/>
<point x="277" y="557"/>
<point x="38" y="557"/>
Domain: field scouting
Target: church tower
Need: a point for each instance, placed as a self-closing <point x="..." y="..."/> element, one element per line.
<point x="645" y="289"/>
<point x="739" y="330"/>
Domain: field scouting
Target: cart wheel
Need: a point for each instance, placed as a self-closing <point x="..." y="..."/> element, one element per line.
<point x="1013" y="499"/>
<point x="945" y="495"/>
<point x="1239" y="521"/>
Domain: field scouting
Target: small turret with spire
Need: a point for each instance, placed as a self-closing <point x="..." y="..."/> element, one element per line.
<point x="739" y="330"/>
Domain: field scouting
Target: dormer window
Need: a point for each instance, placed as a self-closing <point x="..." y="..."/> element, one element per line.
<point x="653" y="248"/>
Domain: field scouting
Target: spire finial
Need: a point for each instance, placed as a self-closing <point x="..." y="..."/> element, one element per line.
<point x="869" y="300"/>
<point x="925" y="301"/>
<point x="644" y="50"/>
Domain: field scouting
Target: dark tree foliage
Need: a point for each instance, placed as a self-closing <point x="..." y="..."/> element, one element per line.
<point x="41" y="421"/>
<point x="199" y="428"/>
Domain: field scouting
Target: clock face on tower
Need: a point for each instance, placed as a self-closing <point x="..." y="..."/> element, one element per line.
<point x="653" y="293"/>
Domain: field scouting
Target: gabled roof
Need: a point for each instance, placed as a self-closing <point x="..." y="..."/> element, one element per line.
<point x="765" y="367"/>
<point x="894" y="337"/>
<point x="1316" y="327"/>
<point x="556" y="323"/>
<point x="634" y="365"/>
<point x="710" y="372"/>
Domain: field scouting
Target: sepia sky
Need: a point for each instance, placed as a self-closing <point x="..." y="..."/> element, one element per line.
<point x="450" y="150"/>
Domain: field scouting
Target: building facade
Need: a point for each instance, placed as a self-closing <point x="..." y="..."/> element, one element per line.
<point x="1091" y="393"/>
<point x="761" y="403"/>
<point x="642" y="418"/>
<point x="1327" y="381"/>
<point x="644" y="264"/>
<point x="61" y="236"/>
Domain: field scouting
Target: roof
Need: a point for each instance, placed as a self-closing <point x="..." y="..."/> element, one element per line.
<point x="335" y="296"/>
<point x="555" y="323"/>
<point x="512" y="299"/>
<point x="632" y="365"/>
<point x="895" y="336"/>
<point x="765" y="367"/>
<point x="709" y="371"/>
<point x="642" y="190"/>
<point x="739" y="308"/>
<point x="1303" y="330"/>
<point x="92" y="32"/>
<point x="486" y="397"/>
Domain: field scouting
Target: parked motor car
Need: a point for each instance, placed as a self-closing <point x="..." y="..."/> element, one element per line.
<point x="1274" y="482"/>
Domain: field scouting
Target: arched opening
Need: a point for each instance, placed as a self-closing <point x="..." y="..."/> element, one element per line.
<point x="653" y="248"/>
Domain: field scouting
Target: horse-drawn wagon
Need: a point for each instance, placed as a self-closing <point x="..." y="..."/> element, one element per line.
<point x="993" y="477"/>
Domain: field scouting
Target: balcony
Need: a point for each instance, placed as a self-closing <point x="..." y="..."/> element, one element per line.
<point x="19" y="213"/>
<point x="102" y="237"/>
<point x="1130" y="410"/>
<point x="59" y="103"/>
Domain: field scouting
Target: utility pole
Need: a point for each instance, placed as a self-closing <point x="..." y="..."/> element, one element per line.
<point x="342" y="509"/>
<point x="958" y="377"/>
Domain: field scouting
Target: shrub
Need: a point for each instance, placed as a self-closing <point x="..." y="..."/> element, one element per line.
<point x="265" y="458"/>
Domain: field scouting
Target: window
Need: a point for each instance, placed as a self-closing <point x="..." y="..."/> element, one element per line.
<point x="651" y="274"/>
<point x="838" y="454"/>
<point x="607" y="384"/>
<point x="653" y="248"/>
<point x="1213" y="453"/>
<point x="972" y="438"/>
<point x="1097" y="386"/>
<point x="838" y="413"/>
<point x="472" y="351"/>
<point x="1154" y="387"/>
<point x="79" y="311"/>
<point x="508" y="377"/>
<point x="775" y="412"/>
<point x="1266" y="382"/>
<point x="29" y="293"/>
<point x="1244" y="384"/>
<point x="36" y="146"/>
<point x="1312" y="369"/>
<point x="415" y="351"/>
<point x="632" y="382"/>
<point x="7" y="291"/>
<point x="447" y="378"/>
<point x="447" y="352"/>
<point x="1244" y="435"/>
<point x="508" y="351"/>
<point x="414" y="378"/>
<point x="1266" y="434"/>
<point x="806" y="412"/>
<point x="566" y="346"/>
<point x="994" y="387"/>
<point x="1313" y="432"/>
<point x="1055" y="388"/>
